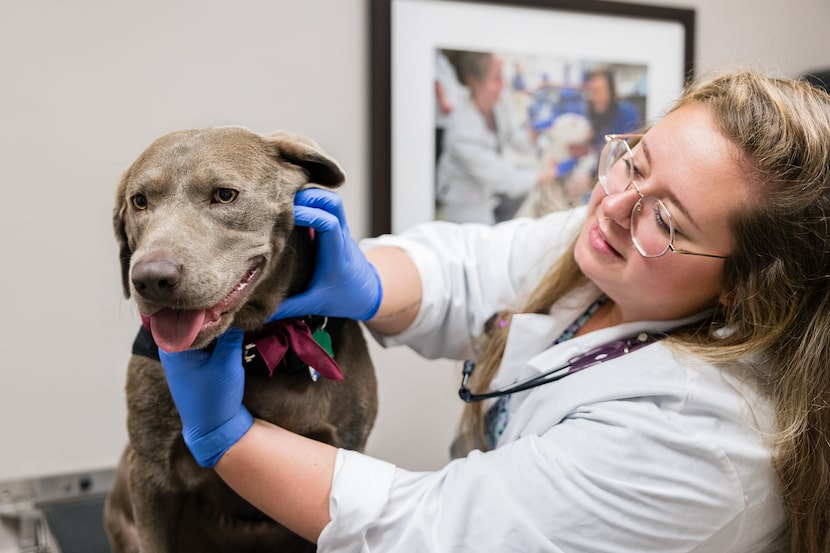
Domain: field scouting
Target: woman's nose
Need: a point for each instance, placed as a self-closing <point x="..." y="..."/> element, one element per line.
<point x="617" y="207"/>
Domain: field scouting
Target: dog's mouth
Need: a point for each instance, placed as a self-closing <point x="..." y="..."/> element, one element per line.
<point x="176" y="330"/>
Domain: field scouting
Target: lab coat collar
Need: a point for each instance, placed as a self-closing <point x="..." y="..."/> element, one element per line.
<point x="531" y="333"/>
<point x="557" y="355"/>
<point x="528" y="350"/>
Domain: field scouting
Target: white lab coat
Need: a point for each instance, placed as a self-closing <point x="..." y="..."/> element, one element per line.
<point x="474" y="167"/>
<point x="652" y="451"/>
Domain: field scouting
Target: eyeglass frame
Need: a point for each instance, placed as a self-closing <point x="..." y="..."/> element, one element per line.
<point x="623" y="138"/>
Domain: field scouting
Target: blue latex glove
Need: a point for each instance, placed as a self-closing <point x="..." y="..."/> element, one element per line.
<point x="207" y="389"/>
<point x="344" y="284"/>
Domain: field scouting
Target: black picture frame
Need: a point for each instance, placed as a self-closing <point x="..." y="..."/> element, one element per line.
<point x="381" y="90"/>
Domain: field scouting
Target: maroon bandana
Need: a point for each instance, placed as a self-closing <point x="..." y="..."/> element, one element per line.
<point x="277" y="337"/>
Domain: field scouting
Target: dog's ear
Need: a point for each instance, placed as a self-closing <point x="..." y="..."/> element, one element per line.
<point x="124" y="252"/>
<point x="322" y="170"/>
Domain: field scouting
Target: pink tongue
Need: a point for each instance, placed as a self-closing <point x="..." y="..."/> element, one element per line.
<point x="173" y="329"/>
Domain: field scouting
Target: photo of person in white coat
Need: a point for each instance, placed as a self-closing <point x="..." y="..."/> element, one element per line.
<point x="477" y="181"/>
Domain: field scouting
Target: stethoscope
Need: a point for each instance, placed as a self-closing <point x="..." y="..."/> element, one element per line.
<point x="595" y="356"/>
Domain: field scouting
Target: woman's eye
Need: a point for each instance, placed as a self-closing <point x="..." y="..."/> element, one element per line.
<point x="632" y="168"/>
<point x="662" y="223"/>
<point x="635" y="170"/>
<point x="139" y="201"/>
<point x="224" y="195"/>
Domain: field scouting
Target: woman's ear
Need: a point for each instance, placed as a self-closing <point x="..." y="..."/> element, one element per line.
<point x="725" y="298"/>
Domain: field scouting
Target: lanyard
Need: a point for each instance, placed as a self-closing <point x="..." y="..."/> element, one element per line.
<point x="592" y="357"/>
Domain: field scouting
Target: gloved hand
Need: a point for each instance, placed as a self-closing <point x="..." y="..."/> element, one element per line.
<point x="344" y="284"/>
<point x="207" y="389"/>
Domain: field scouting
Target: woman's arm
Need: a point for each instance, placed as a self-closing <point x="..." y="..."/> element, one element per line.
<point x="286" y="476"/>
<point x="402" y="290"/>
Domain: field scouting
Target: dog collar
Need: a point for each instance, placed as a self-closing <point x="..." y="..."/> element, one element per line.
<point x="288" y="345"/>
<point x="277" y="339"/>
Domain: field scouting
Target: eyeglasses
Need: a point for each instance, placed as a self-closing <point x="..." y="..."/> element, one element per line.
<point x="652" y="228"/>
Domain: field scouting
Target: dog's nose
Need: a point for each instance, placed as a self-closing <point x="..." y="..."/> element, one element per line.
<point x="156" y="280"/>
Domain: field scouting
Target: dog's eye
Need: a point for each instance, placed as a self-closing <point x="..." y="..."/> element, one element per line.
<point x="139" y="201"/>
<point x="224" y="195"/>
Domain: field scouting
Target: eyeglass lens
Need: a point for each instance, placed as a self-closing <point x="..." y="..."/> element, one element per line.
<point x="615" y="173"/>
<point x="652" y="229"/>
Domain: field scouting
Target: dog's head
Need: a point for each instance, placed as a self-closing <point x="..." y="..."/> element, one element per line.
<point x="204" y="222"/>
<point x="569" y="137"/>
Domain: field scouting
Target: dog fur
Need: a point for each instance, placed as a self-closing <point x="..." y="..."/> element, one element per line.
<point x="204" y="221"/>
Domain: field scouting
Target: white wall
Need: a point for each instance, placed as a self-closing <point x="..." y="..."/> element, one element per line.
<point x="86" y="85"/>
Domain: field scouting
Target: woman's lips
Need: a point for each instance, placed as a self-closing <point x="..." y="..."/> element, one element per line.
<point x="598" y="241"/>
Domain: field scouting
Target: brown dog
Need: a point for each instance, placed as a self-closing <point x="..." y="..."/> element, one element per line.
<point x="204" y="220"/>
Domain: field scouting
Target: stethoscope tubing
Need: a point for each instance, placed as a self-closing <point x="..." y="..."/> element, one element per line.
<point x="595" y="356"/>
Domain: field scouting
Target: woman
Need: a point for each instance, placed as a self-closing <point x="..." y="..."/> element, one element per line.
<point x="476" y="181"/>
<point x="705" y="244"/>
<point x="607" y="113"/>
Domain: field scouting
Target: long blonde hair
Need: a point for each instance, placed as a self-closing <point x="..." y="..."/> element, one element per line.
<point x="777" y="277"/>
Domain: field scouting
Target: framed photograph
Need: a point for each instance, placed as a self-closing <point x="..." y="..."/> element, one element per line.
<point x="490" y="109"/>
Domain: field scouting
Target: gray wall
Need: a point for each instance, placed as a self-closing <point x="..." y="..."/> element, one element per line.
<point x="86" y="85"/>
